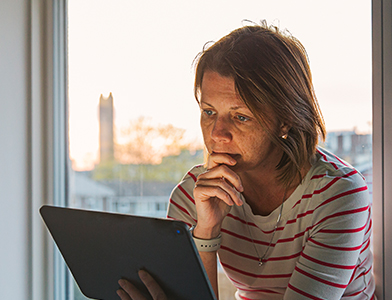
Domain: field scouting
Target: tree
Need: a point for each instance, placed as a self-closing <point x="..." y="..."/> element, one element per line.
<point x="147" y="152"/>
<point x="144" y="143"/>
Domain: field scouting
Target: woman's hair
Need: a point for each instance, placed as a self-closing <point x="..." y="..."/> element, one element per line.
<point x="272" y="76"/>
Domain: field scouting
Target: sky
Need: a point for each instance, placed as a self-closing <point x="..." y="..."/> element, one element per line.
<point x="142" y="52"/>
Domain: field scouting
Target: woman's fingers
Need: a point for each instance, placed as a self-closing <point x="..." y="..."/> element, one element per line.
<point x="206" y="189"/>
<point x="153" y="287"/>
<point x="123" y="295"/>
<point x="129" y="291"/>
<point x="223" y="171"/>
<point x="216" y="159"/>
<point x="220" y="182"/>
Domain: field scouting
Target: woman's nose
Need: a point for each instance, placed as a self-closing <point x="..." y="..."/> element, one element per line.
<point x="221" y="131"/>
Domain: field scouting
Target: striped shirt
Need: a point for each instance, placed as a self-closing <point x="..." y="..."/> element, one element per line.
<point x="320" y="249"/>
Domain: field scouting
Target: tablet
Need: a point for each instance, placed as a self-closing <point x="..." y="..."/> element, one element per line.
<point x="100" y="248"/>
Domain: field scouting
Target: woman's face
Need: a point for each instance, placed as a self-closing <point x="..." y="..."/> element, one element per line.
<point x="229" y="127"/>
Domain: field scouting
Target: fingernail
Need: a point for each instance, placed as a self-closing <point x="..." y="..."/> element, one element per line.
<point x="142" y="274"/>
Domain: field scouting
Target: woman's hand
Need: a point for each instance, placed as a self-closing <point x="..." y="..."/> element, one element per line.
<point x="216" y="190"/>
<point x="130" y="292"/>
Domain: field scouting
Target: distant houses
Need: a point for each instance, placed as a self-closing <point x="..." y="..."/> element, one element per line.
<point x="128" y="192"/>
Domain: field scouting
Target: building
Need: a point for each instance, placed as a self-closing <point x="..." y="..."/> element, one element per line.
<point x="106" y="128"/>
<point x="351" y="146"/>
<point x="89" y="194"/>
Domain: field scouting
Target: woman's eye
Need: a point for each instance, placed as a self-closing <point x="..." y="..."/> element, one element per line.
<point x="208" y="112"/>
<point x="242" y="118"/>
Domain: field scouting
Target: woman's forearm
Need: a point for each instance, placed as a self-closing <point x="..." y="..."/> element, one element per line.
<point x="210" y="264"/>
<point x="209" y="258"/>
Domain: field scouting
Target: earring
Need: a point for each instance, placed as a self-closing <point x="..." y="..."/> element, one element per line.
<point x="285" y="136"/>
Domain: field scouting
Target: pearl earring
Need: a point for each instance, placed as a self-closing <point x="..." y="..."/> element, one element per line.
<point x="285" y="136"/>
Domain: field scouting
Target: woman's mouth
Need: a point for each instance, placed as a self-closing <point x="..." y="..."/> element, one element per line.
<point x="233" y="155"/>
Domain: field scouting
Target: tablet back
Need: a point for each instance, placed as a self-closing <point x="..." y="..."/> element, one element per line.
<point x="100" y="248"/>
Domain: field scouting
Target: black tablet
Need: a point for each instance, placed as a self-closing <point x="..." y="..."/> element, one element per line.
<point x="100" y="248"/>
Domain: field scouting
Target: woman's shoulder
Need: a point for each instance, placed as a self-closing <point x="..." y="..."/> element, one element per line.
<point x="332" y="179"/>
<point x="328" y="166"/>
<point x="193" y="173"/>
<point x="182" y="204"/>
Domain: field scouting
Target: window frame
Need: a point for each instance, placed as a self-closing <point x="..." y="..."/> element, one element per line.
<point x="41" y="143"/>
<point x="382" y="144"/>
<point x="48" y="136"/>
<point x="62" y="277"/>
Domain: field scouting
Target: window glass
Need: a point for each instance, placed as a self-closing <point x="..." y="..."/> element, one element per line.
<point x="133" y="121"/>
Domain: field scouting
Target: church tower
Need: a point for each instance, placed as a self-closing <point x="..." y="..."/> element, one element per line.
<point x="106" y="129"/>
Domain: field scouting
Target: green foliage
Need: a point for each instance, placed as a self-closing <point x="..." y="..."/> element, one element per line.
<point x="106" y="171"/>
<point x="171" y="169"/>
<point x="149" y="152"/>
<point x="145" y="143"/>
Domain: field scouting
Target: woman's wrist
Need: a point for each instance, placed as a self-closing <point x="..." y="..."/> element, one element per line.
<point x="206" y="233"/>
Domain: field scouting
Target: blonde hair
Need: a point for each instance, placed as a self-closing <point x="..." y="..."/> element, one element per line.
<point x="272" y="75"/>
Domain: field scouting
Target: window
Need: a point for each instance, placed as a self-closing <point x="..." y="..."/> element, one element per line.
<point x="115" y="103"/>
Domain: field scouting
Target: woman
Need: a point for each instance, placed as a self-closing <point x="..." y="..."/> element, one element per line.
<point x="292" y="220"/>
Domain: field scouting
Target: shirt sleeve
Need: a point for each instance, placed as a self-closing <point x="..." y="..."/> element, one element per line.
<point x="336" y="251"/>
<point x="182" y="205"/>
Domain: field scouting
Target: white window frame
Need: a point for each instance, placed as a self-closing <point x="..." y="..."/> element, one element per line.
<point x="41" y="138"/>
<point x="61" y="165"/>
<point x="49" y="278"/>
<point x="49" y="156"/>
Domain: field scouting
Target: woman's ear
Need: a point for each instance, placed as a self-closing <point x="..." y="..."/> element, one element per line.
<point x="284" y="130"/>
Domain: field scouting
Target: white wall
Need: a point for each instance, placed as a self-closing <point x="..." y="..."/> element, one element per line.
<point x="14" y="150"/>
<point x="25" y="107"/>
